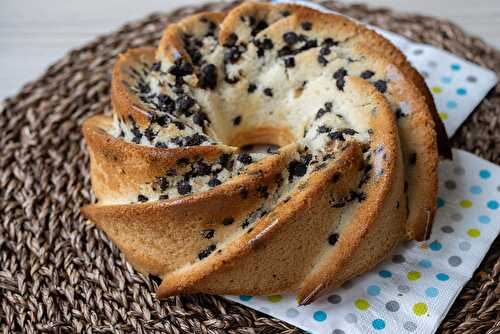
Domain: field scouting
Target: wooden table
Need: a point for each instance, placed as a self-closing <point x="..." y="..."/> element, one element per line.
<point x="33" y="33"/>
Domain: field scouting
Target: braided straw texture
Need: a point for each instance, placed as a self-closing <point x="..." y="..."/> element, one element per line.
<point x="59" y="274"/>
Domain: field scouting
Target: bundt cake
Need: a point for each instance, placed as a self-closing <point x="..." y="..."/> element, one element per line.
<point x="353" y="174"/>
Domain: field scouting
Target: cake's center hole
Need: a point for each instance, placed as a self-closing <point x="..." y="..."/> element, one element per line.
<point x="260" y="138"/>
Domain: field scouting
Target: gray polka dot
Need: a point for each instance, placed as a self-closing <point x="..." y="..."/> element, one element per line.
<point x="265" y="310"/>
<point x="347" y="285"/>
<point x="432" y="63"/>
<point x="351" y="318"/>
<point x="409" y="244"/>
<point x="457" y="216"/>
<point x="398" y="258"/>
<point x="392" y="306"/>
<point x="338" y="331"/>
<point x="425" y="74"/>
<point x="471" y="78"/>
<point x="418" y="52"/>
<point x="292" y="313"/>
<point x="450" y="184"/>
<point x="498" y="188"/>
<point x="455" y="261"/>
<point x="447" y="229"/>
<point x="334" y="299"/>
<point x="459" y="170"/>
<point x="464" y="246"/>
<point x="410" y="326"/>
<point x="403" y="288"/>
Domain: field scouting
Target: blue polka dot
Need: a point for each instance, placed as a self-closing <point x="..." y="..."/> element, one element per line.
<point x="385" y="274"/>
<point x="378" y="324"/>
<point x="461" y="91"/>
<point x="442" y="277"/>
<point x="455" y="67"/>
<point x="425" y="263"/>
<point x="484" y="174"/>
<point x="493" y="205"/>
<point x="484" y="219"/>
<point x="431" y="292"/>
<point x="476" y="190"/>
<point x="435" y="246"/>
<point x="319" y="316"/>
<point x="440" y="202"/>
<point x="446" y="80"/>
<point x="451" y="104"/>
<point x="245" y="298"/>
<point x="373" y="290"/>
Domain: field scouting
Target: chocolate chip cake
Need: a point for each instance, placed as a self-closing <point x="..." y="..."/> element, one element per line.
<point x="353" y="174"/>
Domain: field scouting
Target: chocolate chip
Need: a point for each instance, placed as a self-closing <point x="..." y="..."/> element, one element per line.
<point x="232" y="55"/>
<point x="329" y="42"/>
<point x="142" y="198"/>
<point x="261" y="25"/>
<point x="227" y="221"/>
<point x="251" y="88"/>
<point x="208" y="234"/>
<point x="224" y="160"/>
<point x="181" y="68"/>
<point x="333" y="238"/>
<point x="289" y="62"/>
<point x="183" y="187"/>
<point x="149" y="134"/>
<point x="199" y="119"/>
<point x="306" y="25"/>
<point x="322" y="60"/>
<point x="245" y="158"/>
<point x="290" y="38"/>
<point x="340" y="83"/>
<point x="165" y="103"/>
<point x="324" y="129"/>
<point x="208" y="76"/>
<point x="156" y="67"/>
<point x="206" y="252"/>
<point x="231" y="40"/>
<point x="237" y="120"/>
<point x="182" y="161"/>
<point x="324" y="51"/>
<point x="184" y="103"/>
<point x="296" y="169"/>
<point x="336" y="135"/>
<point x="340" y="73"/>
<point x="268" y="92"/>
<point x="349" y="132"/>
<point x="214" y="182"/>
<point x="367" y="74"/>
<point x="381" y="86"/>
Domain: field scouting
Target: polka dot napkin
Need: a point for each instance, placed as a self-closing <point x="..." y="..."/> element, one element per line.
<point x="412" y="291"/>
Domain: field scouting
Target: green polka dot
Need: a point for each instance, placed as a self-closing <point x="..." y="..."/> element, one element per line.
<point x="413" y="275"/>
<point x="437" y="90"/>
<point x="443" y="116"/>
<point x="420" y="309"/>
<point x="465" y="203"/>
<point x="274" y="298"/>
<point x="473" y="232"/>
<point x="362" y="304"/>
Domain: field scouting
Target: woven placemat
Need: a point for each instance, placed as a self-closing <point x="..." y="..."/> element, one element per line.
<point x="60" y="274"/>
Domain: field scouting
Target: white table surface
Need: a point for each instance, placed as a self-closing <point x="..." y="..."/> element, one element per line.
<point x="35" y="33"/>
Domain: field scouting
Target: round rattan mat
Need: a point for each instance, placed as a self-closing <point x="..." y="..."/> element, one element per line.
<point x="60" y="274"/>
